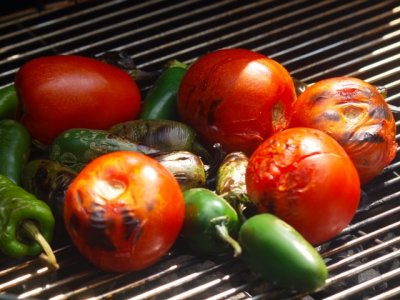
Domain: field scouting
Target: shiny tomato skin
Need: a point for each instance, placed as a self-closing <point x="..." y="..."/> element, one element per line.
<point x="303" y="176"/>
<point x="354" y="113"/>
<point x="236" y="97"/>
<point x="68" y="91"/>
<point x="124" y="211"/>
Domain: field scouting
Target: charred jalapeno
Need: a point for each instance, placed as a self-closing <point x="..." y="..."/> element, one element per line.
<point x="48" y="180"/>
<point x="14" y="149"/>
<point x="210" y="225"/>
<point x="187" y="168"/>
<point x="160" y="101"/>
<point x="76" y="147"/>
<point x="26" y="223"/>
<point x="8" y="102"/>
<point x="165" y="135"/>
<point x="277" y="252"/>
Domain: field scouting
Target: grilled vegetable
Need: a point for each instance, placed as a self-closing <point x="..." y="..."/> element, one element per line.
<point x="48" y="180"/>
<point x="14" y="149"/>
<point x="8" y="102"/>
<point x="280" y="254"/>
<point x="165" y="135"/>
<point x="76" y="147"/>
<point x="161" y="100"/>
<point x="26" y="223"/>
<point x="187" y="168"/>
<point x="211" y="224"/>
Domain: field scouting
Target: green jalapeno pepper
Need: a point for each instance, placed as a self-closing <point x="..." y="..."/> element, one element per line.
<point x="8" y="102"/>
<point x="160" y="101"/>
<point x="26" y="223"/>
<point x="76" y="147"/>
<point x="210" y="225"/>
<point x="15" y="144"/>
<point x="280" y="254"/>
<point x="165" y="135"/>
<point x="48" y="180"/>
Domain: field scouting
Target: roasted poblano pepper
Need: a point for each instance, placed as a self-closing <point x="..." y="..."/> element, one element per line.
<point x="165" y="135"/>
<point x="48" y="180"/>
<point x="76" y="147"/>
<point x="277" y="252"/>
<point x="160" y="101"/>
<point x="15" y="144"/>
<point x="8" y="102"/>
<point x="210" y="225"/>
<point x="26" y="223"/>
<point x="187" y="168"/>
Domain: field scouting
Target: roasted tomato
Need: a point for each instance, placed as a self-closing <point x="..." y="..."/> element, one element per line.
<point x="304" y="176"/>
<point x="236" y="97"/>
<point x="66" y="91"/>
<point x="354" y="113"/>
<point x="124" y="211"/>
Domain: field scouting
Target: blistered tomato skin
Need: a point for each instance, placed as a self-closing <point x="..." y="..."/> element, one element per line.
<point x="236" y="97"/>
<point x="67" y="91"/>
<point x="354" y="113"/>
<point x="124" y="211"/>
<point x="303" y="176"/>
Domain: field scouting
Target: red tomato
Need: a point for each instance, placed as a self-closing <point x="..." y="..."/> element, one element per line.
<point x="303" y="176"/>
<point x="65" y="91"/>
<point x="236" y="97"/>
<point x="124" y="211"/>
<point x="354" y="113"/>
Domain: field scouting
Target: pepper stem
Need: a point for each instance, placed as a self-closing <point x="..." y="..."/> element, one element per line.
<point x="224" y="234"/>
<point x="33" y="231"/>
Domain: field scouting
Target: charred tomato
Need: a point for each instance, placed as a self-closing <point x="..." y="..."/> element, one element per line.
<point x="68" y="91"/>
<point x="354" y="113"/>
<point x="303" y="176"/>
<point x="124" y="211"/>
<point x="236" y="97"/>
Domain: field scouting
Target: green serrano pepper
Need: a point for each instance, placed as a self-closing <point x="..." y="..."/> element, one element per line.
<point x="8" y="102"/>
<point x="26" y="223"/>
<point x="48" y="180"/>
<point x="160" y="101"/>
<point x="14" y="149"/>
<point x="210" y="224"/>
<point x="277" y="252"/>
<point x="76" y="147"/>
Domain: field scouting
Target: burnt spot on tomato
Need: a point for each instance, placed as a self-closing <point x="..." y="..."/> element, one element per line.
<point x="379" y="112"/>
<point x="369" y="135"/>
<point x="96" y="233"/>
<point x="132" y="225"/>
<point x="330" y="115"/>
<point x="318" y="97"/>
<point x="211" y="111"/>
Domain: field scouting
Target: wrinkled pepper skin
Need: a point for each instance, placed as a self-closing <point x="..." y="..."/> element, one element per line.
<point x="76" y="147"/>
<point x="15" y="144"/>
<point x="165" y="135"/>
<point x="48" y="180"/>
<point x="277" y="252"/>
<point x="160" y="101"/>
<point x="16" y="206"/>
<point x="204" y="212"/>
<point x="9" y="103"/>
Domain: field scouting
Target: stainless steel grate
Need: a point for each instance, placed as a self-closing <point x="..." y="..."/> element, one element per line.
<point x="313" y="40"/>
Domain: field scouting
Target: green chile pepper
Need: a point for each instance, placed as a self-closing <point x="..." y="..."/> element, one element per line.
<point x="165" y="135"/>
<point x="76" y="147"/>
<point x="280" y="254"/>
<point x="160" y="101"/>
<point x="210" y="225"/>
<point x="26" y="223"/>
<point x="8" y="102"/>
<point x="48" y="180"/>
<point x="15" y="144"/>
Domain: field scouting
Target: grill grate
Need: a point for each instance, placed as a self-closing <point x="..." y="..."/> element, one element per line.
<point x="313" y="40"/>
